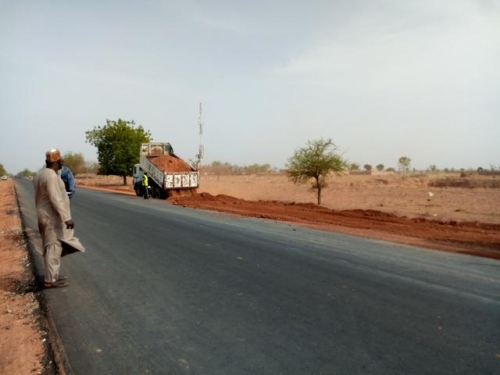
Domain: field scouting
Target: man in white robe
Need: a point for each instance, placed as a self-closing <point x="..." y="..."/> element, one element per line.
<point x="54" y="219"/>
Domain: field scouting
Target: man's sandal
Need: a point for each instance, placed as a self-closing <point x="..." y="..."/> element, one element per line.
<point x="62" y="278"/>
<point x="57" y="284"/>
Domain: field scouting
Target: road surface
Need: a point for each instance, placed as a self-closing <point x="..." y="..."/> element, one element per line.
<point x="169" y="290"/>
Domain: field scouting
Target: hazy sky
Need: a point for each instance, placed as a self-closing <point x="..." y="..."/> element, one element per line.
<point x="382" y="78"/>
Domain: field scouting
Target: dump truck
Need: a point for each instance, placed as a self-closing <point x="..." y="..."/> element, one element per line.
<point x="166" y="171"/>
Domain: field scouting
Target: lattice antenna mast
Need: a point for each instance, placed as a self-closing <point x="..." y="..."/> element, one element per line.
<point x="201" y="151"/>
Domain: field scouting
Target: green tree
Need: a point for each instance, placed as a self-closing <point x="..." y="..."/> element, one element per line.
<point x="3" y="172"/>
<point x="75" y="162"/>
<point x="354" y="167"/>
<point x="118" y="145"/>
<point x="432" y="168"/>
<point x="404" y="163"/>
<point x="380" y="167"/>
<point x="368" y="167"/>
<point x="315" y="161"/>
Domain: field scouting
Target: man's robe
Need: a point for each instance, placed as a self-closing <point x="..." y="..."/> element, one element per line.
<point x="53" y="209"/>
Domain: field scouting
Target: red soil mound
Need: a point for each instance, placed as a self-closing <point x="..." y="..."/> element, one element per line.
<point x="468" y="237"/>
<point x="170" y="163"/>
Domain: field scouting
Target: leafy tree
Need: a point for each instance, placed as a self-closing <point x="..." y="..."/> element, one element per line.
<point x="432" y="168"/>
<point x="367" y="167"/>
<point x="404" y="163"/>
<point x="256" y="168"/>
<point x="315" y="161"/>
<point x="25" y="173"/>
<point x="118" y="145"/>
<point x="3" y="172"/>
<point x="219" y="168"/>
<point x="75" y="162"/>
<point x="380" y="167"/>
<point x="354" y="167"/>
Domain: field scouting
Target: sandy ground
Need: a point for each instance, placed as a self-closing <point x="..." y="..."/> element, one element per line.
<point x="404" y="210"/>
<point x="22" y="339"/>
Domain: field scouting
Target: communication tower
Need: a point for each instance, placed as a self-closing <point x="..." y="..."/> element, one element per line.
<point x="201" y="151"/>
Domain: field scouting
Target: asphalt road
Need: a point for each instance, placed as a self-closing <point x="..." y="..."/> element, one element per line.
<point x="169" y="290"/>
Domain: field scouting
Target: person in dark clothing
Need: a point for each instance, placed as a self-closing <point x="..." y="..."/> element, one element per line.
<point x="69" y="180"/>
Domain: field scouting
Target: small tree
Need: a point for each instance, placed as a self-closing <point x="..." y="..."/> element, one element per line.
<point x="3" y="172"/>
<point x="354" y="167"/>
<point x="432" y="168"/>
<point x="367" y="167"/>
<point x="404" y="163"/>
<point x="380" y="167"/>
<point x="75" y="162"/>
<point x="315" y="161"/>
<point x="118" y="145"/>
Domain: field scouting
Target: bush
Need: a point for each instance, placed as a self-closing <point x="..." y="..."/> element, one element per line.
<point x="465" y="183"/>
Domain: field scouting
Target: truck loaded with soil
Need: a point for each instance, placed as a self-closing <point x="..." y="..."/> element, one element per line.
<point x="167" y="172"/>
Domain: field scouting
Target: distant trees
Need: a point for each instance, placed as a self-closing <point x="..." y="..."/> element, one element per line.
<point x="354" y="167"/>
<point x="380" y="167"/>
<point x="3" y="172"/>
<point x="25" y="173"/>
<point x="367" y="167"/>
<point x="404" y="163"/>
<point x="432" y="168"/>
<point x="118" y="145"/>
<point x="219" y="168"/>
<point x="315" y="161"/>
<point x="91" y="167"/>
<point x="75" y="162"/>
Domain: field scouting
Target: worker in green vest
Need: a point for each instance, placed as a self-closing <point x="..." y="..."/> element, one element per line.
<point x="145" y="185"/>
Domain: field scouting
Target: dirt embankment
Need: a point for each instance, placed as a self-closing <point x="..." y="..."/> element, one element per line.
<point x="22" y="341"/>
<point x="467" y="237"/>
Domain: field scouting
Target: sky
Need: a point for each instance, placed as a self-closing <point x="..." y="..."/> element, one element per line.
<point x="381" y="78"/>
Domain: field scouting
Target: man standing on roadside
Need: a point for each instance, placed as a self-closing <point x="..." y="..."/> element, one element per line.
<point x="54" y="219"/>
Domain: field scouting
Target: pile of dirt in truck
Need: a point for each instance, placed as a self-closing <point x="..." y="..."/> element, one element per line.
<point x="170" y="163"/>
